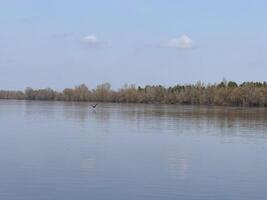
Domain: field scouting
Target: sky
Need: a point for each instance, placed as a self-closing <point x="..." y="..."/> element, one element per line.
<point x="63" y="43"/>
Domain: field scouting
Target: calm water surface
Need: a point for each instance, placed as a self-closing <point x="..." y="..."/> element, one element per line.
<point x="65" y="151"/>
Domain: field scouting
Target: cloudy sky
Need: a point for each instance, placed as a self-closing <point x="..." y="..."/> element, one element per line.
<point x="62" y="43"/>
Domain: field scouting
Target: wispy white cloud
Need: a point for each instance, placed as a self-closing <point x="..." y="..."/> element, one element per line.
<point x="90" y="40"/>
<point x="183" y="42"/>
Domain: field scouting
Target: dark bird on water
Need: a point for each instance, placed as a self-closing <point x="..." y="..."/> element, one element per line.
<point x="94" y="106"/>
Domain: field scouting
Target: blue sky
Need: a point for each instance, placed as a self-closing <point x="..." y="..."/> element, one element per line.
<point x="61" y="43"/>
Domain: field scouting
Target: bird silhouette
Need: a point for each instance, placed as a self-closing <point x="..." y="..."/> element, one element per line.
<point x="94" y="106"/>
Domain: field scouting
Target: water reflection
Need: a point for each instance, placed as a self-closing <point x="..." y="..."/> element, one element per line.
<point x="63" y="150"/>
<point x="228" y="120"/>
<point x="178" y="163"/>
<point x="39" y="109"/>
<point x="76" y="111"/>
<point x="88" y="163"/>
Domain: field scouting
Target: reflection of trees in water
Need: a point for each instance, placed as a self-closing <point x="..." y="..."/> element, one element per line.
<point x="163" y="118"/>
<point x="40" y="108"/>
<point x="82" y="111"/>
<point x="76" y="111"/>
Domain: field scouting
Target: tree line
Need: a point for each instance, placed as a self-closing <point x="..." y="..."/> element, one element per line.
<point x="224" y="93"/>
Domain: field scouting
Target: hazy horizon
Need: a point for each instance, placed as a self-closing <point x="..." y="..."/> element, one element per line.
<point x="61" y="44"/>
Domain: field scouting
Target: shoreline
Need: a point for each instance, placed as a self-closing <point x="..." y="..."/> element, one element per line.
<point x="247" y="94"/>
<point x="135" y="103"/>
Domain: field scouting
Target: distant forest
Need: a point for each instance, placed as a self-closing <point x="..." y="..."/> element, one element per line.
<point x="224" y="93"/>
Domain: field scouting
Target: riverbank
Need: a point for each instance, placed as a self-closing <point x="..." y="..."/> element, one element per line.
<point x="224" y="93"/>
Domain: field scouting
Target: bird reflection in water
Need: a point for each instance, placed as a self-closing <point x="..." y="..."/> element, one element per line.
<point x="94" y="107"/>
